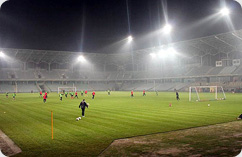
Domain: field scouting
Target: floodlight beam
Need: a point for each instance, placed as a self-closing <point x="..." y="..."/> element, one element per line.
<point x="2" y="54"/>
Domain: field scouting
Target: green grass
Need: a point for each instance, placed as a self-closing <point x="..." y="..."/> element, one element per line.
<point x="27" y="120"/>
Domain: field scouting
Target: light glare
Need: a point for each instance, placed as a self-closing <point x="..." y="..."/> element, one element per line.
<point x="167" y="29"/>
<point x="81" y="59"/>
<point x="224" y="11"/>
<point x="130" y="38"/>
<point x="165" y="53"/>
<point x="172" y="51"/>
<point x="2" y="54"/>
<point x="153" y="55"/>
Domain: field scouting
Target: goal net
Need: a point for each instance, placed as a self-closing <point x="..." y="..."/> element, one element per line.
<point x="206" y="93"/>
<point x="66" y="89"/>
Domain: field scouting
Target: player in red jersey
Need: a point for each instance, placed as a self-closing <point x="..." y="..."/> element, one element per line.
<point x="76" y="96"/>
<point x="40" y="94"/>
<point x="144" y="93"/>
<point x="93" y="94"/>
<point x="45" y="97"/>
<point x="132" y="93"/>
<point x="85" y="92"/>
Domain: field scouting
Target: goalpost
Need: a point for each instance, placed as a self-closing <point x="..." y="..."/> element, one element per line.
<point x="66" y="89"/>
<point x="206" y="93"/>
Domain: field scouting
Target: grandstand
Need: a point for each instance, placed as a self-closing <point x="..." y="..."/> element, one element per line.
<point x="209" y="60"/>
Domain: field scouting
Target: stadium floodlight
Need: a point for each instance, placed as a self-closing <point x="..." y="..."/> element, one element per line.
<point x="225" y="11"/>
<point x="167" y="29"/>
<point x="2" y="54"/>
<point x="153" y="55"/>
<point x="130" y="38"/>
<point x="81" y="59"/>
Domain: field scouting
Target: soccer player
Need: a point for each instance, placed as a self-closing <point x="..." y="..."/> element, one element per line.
<point x="85" y="92"/>
<point x="240" y="117"/>
<point x="14" y="95"/>
<point x="44" y="98"/>
<point x="7" y="95"/>
<point x="60" y="96"/>
<point x="83" y="105"/>
<point x="132" y="93"/>
<point x="156" y="93"/>
<point x="76" y="96"/>
<point x="40" y="94"/>
<point x="72" y="94"/>
<point x="177" y="96"/>
<point x="144" y="93"/>
<point x="46" y="94"/>
<point x="109" y="92"/>
<point x="93" y="94"/>
<point x="66" y="93"/>
<point x="82" y="93"/>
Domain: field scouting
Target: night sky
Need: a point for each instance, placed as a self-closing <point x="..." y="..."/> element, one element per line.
<point x="94" y="25"/>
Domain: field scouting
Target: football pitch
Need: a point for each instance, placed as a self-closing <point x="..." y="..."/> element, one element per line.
<point x="27" y="120"/>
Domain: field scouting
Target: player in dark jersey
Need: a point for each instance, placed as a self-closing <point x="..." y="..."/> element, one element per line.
<point x="240" y="117"/>
<point x="83" y="105"/>
<point x="177" y="96"/>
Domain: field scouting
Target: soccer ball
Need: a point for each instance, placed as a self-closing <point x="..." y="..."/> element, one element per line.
<point x="208" y="105"/>
<point x="79" y="118"/>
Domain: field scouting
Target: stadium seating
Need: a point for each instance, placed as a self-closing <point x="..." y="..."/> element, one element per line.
<point x="7" y="88"/>
<point x="215" y="71"/>
<point x="101" y="80"/>
<point x="228" y="70"/>
<point x="199" y="71"/>
<point x="238" y="70"/>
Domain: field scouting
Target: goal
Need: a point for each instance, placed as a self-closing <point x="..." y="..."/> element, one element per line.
<point x="206" y="93"/>
<point x="66" y="89"/>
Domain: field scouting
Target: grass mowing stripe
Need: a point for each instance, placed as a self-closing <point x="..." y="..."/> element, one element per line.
<point x="108" y="118"/>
